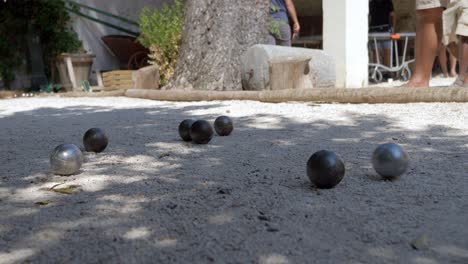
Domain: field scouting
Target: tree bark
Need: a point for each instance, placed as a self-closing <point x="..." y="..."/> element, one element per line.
<point x="215" y="34"/>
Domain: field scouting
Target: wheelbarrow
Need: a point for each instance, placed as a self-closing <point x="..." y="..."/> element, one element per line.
<point x="131" y="54"/>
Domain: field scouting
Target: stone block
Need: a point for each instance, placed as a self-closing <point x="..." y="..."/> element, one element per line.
<point x="266" y="67"/>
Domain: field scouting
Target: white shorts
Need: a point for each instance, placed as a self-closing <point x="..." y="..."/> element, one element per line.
<point x="427" y="4"/>
<point x="455" y="21"/>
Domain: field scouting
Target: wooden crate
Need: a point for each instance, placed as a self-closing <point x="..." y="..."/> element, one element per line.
<point x="115" y="80"/>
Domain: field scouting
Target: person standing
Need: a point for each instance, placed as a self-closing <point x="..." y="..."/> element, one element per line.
<point x="443" y="62"/>
<point x="455" y="33"/>
<point x="382" y="20"/>
<point x="279" y="29"/>
<point x="428" y="38"/>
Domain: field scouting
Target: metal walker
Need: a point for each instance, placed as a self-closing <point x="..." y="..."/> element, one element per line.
<point x="401" y="68"/>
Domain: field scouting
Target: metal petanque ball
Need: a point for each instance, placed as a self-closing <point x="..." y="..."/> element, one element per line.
<point x="223" y="126"/>
<point x="390" y="160"/>
<point x="184" y="129"/>
<point x="325" y="169"/>
<point x="95" y="140"/>
<point x="201" y="132"/>
<point x="66" y="159"/>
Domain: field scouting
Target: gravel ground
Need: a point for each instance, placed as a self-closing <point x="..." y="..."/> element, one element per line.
<point x="151" y="198"/>
<point x="436" y="81"/>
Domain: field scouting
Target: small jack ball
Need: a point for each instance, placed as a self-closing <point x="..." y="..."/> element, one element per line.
<point x="201" y="132"/>
<point x="66" y="159"/>
<point x="184" y="129"/>
<point x="390" y="160"/>
<point x="95" y="140"/>
<point x="223" y="126"/>
<point x="325" y="169"/>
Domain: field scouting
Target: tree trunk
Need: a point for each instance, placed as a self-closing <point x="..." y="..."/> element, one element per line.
<point x="215" y="34"/>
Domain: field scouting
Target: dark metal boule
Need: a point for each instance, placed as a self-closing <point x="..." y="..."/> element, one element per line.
<point x="223" y="126"/>
<point x="201" y="132"/>
<point x="184" y="129"/>
<point x="95" y="140"/>
<point x="325" y="169"/>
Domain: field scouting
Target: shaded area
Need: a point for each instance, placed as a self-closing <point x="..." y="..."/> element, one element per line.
<point x="151" y="197"/>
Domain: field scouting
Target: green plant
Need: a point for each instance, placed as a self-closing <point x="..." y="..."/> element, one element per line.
<point x="47" y="18"/>
<point x="161" y="34"/>
<point x="51" y="88"/>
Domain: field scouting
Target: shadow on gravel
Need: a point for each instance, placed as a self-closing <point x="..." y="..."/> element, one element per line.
<point x="151" y="198"/>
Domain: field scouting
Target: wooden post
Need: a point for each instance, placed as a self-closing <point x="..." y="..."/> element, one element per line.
<point x="71" y="73"/>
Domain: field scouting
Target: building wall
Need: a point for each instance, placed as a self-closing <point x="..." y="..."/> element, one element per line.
<point x="91" y="33"/>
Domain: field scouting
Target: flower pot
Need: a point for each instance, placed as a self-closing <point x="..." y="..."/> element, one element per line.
<point x="81" y="65"/>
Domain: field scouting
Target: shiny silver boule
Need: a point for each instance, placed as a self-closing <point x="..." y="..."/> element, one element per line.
<point x="390" y="160"/>
<point x="66" y="159"/>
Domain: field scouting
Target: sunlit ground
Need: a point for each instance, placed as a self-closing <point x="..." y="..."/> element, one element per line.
<point x="152" y="198"/>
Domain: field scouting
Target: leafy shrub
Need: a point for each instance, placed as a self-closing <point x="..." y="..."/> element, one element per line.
<point x="161" y="34"/>
<point x="48" y="19"/>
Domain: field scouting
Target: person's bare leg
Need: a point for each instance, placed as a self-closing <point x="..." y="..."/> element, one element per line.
<point x="463" y="58"/>
<point x="453" y="65"/>
<point x="428" y="37"/>
<point x="386" y="57"/>
<point x="443" y="60"/>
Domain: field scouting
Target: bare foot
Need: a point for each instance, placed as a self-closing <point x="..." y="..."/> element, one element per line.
<point x="415" y="84"/>
<point x="453" y="74"/>
<point x="458" y="82"/>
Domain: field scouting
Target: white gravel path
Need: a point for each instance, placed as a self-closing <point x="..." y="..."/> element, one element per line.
<point x="151" y="198"/>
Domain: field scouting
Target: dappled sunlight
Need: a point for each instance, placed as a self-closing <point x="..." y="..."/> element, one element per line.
<point x="221" y="218"/>
<point x="207" y="184"/>
<point x="266" y="122"/>
<point x="423" y="260"/>
<point x="5" y="192"/>
<point x="137" y="233"/>
<point x="166" y="242"/>
<point x="166" y="146"/>
<point x="274" y="259"/>
<point x="453" y="251"/>
<point x="16" y="256"/>
<point x="101" y="182"/>
<point x="385" y="253"/>
<point x="155" y="198"/>
<point x="189" y="147"/>
<point x="22" y="212"/>
<point x="119" y="204"/>
<point x="48" y="236"/>
<point x="139" y="159"/>
<point x="32" y="193"/>
<point x="283" y="143"/>
<point x="347" y="140"/>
